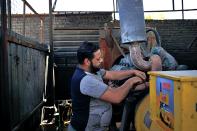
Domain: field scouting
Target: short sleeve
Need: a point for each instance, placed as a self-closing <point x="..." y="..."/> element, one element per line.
<point x="101" y="72"/>
<point x="92" y="86"/>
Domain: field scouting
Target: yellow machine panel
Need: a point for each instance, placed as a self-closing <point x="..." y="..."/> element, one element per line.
<point x="173" y="100"/>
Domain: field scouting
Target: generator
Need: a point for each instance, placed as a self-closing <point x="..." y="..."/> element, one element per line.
<point x="171" y="104"/>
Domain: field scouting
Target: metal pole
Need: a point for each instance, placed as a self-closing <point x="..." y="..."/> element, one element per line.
<point x="182" y="9"/>
<point x="54" y="4"/>
<point x="4" y="72"/>
<point x="173" y="4"/>
<point x="51" y="82"/>
<point x="114" y="10"/>
<point x="41" y="31"/>
<point x="9" y="15"/>
<point x="24" y="8"/>
<point x="30" y="7"/>
<point x="25" y="3"/>
<point x="19" y="125"/>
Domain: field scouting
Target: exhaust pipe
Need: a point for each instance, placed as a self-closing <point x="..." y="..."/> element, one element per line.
<point x="137" y="58"/>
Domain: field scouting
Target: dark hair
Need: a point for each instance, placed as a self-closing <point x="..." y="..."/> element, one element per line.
<point x="86" y="50"/>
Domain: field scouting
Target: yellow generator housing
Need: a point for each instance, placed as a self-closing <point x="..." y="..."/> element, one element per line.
<point x="172" y="104"/>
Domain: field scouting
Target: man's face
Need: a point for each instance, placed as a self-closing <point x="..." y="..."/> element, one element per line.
<point x="95" y="63"/>
<point x="151" y="40"/>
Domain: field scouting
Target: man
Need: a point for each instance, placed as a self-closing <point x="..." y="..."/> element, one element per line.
<point x="91" y="97"/>
<point x="167" y="61"/>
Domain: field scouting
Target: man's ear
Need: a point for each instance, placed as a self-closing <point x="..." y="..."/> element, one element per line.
<point x="86" y="61"/>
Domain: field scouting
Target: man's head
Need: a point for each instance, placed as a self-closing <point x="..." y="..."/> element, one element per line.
<point x="151" y="40"/>
<point x="89" y="55"/>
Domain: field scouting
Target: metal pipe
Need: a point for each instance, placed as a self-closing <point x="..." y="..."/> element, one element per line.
<point x="136" y="56"/>
<point x="132" y="22"/>
<point x="18" y="126"/>
<point x="164" y="10"/>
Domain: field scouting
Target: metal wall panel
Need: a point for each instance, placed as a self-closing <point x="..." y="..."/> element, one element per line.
<point x="27" y="80"/>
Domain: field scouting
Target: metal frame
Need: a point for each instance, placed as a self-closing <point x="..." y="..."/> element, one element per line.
<point x="5" y="25"/>
<point x="173" y="9"/>
<point x="50" y="83"/>
<point x="4" y="84"/>
<point x="115" y="8"/>
<point x="25" y="3"/>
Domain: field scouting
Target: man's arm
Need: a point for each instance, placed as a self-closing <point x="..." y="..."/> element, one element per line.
<point x="116" y="95"/>
<point x="120" y="75"/>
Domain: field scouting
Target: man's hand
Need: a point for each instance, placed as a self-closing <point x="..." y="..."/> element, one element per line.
<point x="135" y="81"/>
<point x="140" y="74"/>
